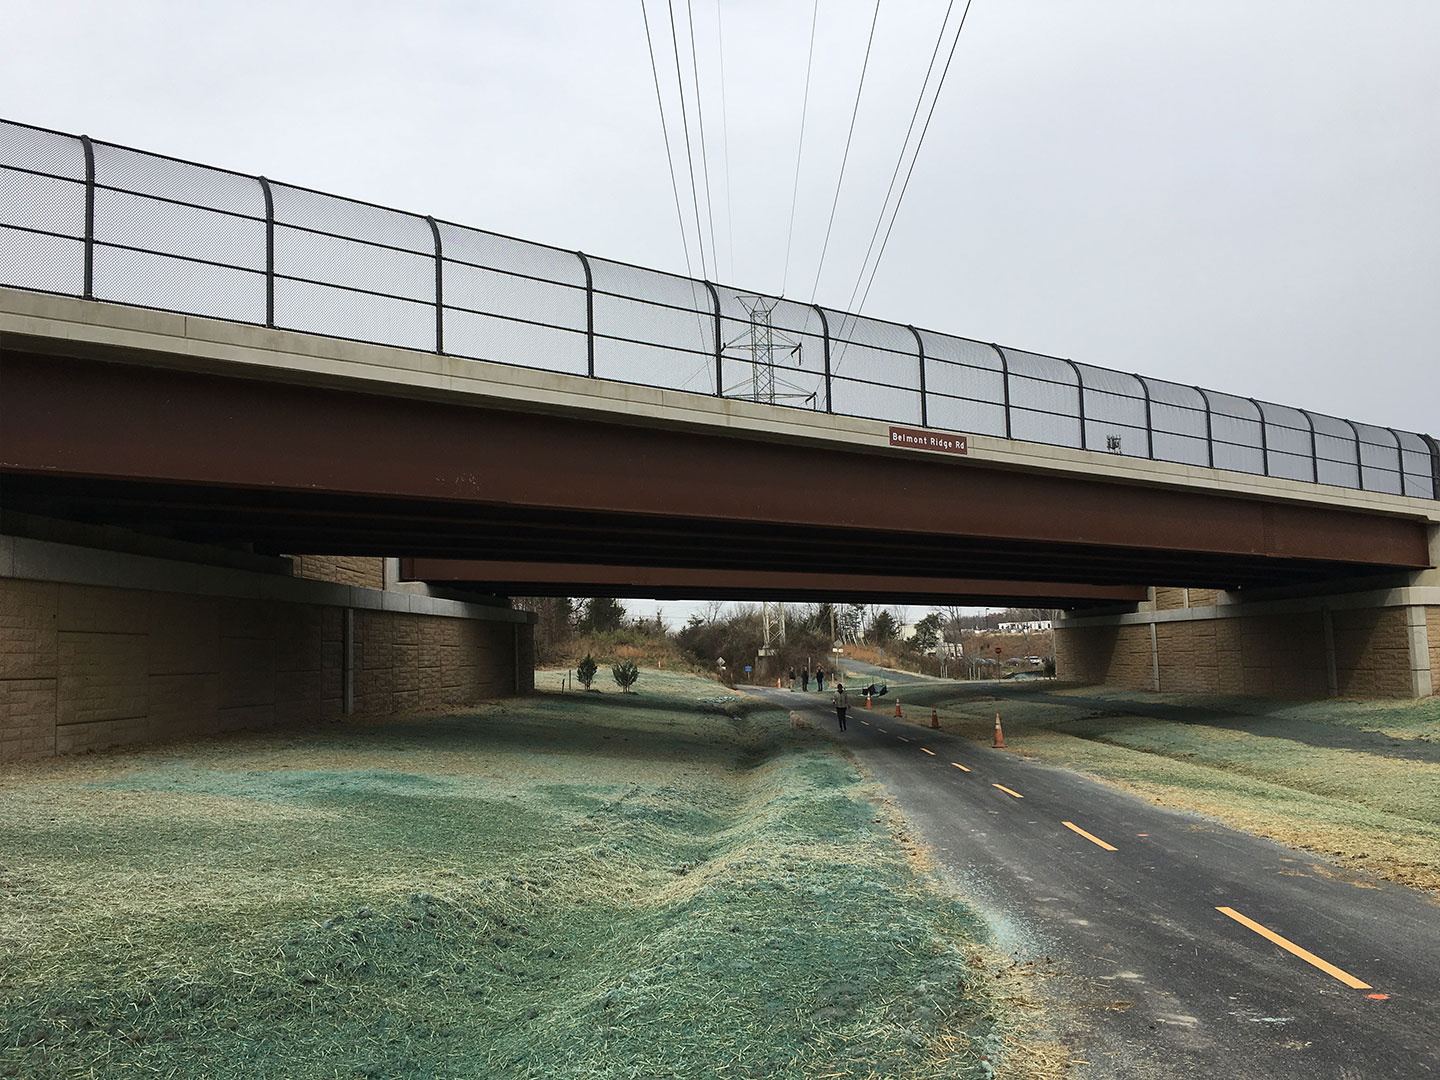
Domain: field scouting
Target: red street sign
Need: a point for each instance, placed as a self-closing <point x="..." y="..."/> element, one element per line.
<point x="997" y="650"/>
<point x="920" y="439"/>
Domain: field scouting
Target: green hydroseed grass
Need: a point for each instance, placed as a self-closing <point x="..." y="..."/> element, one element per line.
<point x="571" y="885"/>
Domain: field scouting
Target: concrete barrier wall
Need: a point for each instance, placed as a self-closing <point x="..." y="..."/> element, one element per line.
<point x="1305" y="649"/>
<point x="84" y="667"/>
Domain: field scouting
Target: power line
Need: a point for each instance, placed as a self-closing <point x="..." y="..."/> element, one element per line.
<point x="700" y="115"/>
<point x="919" y="142"/>
<point x="725" y="135"/>
<point x="846" y="157"/>
<point x="900" y="158"/>
<point x="799" y="150"/>
<point x="689" y="156"/>
<point x="664" y="129"/>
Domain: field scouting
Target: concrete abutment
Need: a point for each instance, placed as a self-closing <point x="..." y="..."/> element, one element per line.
<point x="100" y="648"/>
<point x="1375" y="643"/>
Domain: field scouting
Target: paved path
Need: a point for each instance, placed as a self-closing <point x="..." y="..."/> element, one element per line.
<point x="1170" y="912"/>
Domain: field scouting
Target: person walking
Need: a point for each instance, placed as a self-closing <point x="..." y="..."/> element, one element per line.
<point x="805" y="678"/>
<point x="791" y="676"/>
<point x="841" y="701"/>
<point x="819" y="680"/>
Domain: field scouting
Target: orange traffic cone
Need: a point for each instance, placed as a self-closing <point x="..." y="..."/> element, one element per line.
<point x="897" y="709"/>
<point x="867" y="699"/>
<point x="999" y="735"/>
<point x="777" y="684"/>
<point x="934" y="719"/>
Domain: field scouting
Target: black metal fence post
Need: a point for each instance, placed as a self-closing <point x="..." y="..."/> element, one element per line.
<point x="1434" y="466"/>
<point x="1080" y="400"/>
<point x="1314" y="449"/>
<point x="1399" y="457"/>
<point x="1004" y="385"/>
<point x="1209" y="429"/>
<point x="589" y="316"/>
<point x="719" y="344"/>
<point x="439" y="286"/>
<point x="1264" y="440"/>
<point x="924" y="409"/>
<point x="89" y="149"/>
<point x="1149" y="424"/>
<point x="825" y="339"/>
<point x="1359" y="455"/>
<point x="269" y="251"/>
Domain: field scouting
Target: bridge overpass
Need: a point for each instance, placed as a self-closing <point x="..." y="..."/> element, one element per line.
<point x="199" y="398"/>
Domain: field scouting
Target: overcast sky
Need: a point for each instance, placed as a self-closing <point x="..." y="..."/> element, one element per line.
<point x="1234" y="193"/>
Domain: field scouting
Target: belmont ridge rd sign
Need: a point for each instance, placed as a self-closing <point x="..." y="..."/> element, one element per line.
<point x="920" y="439"/>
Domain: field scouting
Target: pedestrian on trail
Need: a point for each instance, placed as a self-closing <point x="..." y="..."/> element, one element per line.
<point x="841" y="701"/>
<point x="805" y="678"/>
<point x="819" y="680"/>
<point x="792" y="680"/>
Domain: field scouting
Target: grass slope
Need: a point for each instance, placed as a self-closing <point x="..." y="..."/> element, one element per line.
<point x="579" y="885"/>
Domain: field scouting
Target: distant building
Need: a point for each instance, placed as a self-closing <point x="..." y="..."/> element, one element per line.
<point x="1034" y="627"/>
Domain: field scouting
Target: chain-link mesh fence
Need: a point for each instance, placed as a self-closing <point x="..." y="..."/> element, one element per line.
<point x="79" y="217"/>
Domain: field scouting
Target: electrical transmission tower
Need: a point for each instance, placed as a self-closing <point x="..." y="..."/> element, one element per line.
<point x="760" y="341"/>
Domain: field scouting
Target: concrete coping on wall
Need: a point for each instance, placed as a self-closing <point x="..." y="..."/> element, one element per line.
<point x="1410" y="596"/>
<point x="44" y="560"/>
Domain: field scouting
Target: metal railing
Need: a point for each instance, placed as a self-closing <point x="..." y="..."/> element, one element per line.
<point x="91" y="219"/>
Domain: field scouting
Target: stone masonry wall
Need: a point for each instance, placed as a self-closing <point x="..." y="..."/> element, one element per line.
<point x="83" y="667"/>
<point x="1118" y="655"/>
<point x="1265" y="655"/>
<point x="1432" y="629"/>
<point x="1372" y="653"/>
<point x="342" y="570"/>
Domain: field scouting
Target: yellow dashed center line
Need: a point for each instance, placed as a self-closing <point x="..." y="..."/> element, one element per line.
<point x="1290" y="947"/>
<point x="1007" y="791"/>
<point x="1093" y="839"/>
<point x="957" y="765"/>
<point x="928" y="750"/>
<point x="882" y="731"/>
<point x="865" y="722"/>
<point x="902" y="738"/>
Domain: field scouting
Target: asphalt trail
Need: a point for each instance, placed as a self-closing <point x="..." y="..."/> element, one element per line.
<point x="1162" y="982"/>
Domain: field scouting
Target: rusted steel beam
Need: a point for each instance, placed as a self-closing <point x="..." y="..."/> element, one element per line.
<point x="67" y="417"/>
<point x="580" y="579"/>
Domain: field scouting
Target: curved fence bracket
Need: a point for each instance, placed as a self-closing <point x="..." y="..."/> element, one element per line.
<point x="719" y="343"/>
<point x="589" y="315"/>
<point x="825" y="339"/>
<point x="270" y="251"/>
<point x="1434" y="466"/>
<point x="1004" y="385"/>
<point x="1264" y="439"/>
<point x="439" y="286"/>
<point x="1209" y="428"/>
<point x="1149" y="424"/>
<point x="1079" y="401"/>
<point x="1314" y="450"/>
<point x="1359" y="455"/>
<point x="1399" y="457"/>
<point x="920" y="347"/>
<point x="89" y="149"/>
